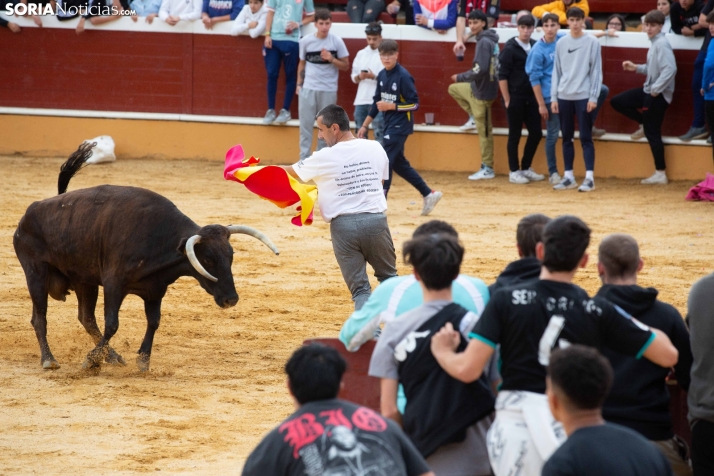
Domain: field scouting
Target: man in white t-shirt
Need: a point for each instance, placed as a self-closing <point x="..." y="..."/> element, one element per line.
<point x="365" y="67"/>
<point x="349" y="173"/>
<point x="322" y="56"/>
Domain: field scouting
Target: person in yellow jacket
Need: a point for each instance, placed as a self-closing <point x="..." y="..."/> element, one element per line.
<point x="559" y="7"/>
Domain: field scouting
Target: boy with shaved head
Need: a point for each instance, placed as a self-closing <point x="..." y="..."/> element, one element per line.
<point x="639" y="398"/>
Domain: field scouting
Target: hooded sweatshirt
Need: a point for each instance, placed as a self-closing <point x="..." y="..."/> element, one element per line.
<point x="517" y="272"/>
<point x="639" y="398"/>
<point x="482" y="76"/>
<point x="512" y="67"/>
<point x="660" y="69"/>
<point x="700" y="315"/>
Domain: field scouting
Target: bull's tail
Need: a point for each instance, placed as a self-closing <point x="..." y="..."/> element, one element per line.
<point x="76" y="161"/>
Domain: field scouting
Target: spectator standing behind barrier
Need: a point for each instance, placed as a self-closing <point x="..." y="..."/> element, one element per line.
<point x="364" y="11"/>
<point x="251" y="19"/>
<point x="529" y="321"/>
<point x="216" y="11"/>
<point x="520" y="102"/>
<point x="540" y="70"/>
<point x="148" y="9"/>
<point x="665" y="7"/>
<point x="696" y="78"/>
<point x="322" y="56"/>
<point x="578" y="381"/>
<point x="439" y="15"/>
<point x="707" y="86"/>
<point x="560" y="8"/>
<point x="446" y="419"/>
<point x="397" y="98"/>
<point x="476" y="89"/>
<point x="700" y="316"/>
<point x="97" y="14"/>
<point x="282" y="34"/>
<point x="349" y="175"/>
<point x="576" y="85"/>
<point x="330" y="436"/>
<point x="639" y="398"/>
<point x="365" y="68"/>
<point x="174" y="11"/>
<point x="405" y="5"/>
<point x="656" y="95"/>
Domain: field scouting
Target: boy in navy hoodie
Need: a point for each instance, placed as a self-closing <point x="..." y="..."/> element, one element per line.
<point x="397" y="98"/>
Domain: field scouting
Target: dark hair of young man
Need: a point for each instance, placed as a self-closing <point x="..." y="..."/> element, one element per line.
<point x="479" y="15"/>
<point x="373" y="29"/>
<point x="575" y="12"/>
<point x="436" y="258"/>
<point x="435" y="226"/>
<point x="620" y="255"/>
<point x="322" y="14"/>
<point x="550" y="17"/>
<point x="527" y="20"/>
<point x="388" y="47"/>
<point x="654" y="16"/>
<point x="710" y="17"/>
<point x="565" y="240"/>
<point x="334" y="114"/>
<point x="314" y="373"/>
<point x="582" y="374"/>
<point x="529" y="232"/>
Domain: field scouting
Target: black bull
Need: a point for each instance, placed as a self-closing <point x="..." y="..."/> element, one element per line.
<point x="128" y="240"/>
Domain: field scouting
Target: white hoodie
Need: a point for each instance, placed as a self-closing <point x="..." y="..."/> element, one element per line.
<point x="186" y="10"/>
<point x="240" y="24"/>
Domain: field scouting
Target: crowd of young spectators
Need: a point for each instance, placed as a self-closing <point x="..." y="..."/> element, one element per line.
<point x="528" y="376"/>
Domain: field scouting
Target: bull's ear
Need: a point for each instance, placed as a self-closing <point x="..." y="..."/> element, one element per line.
<point x="182" y="246"/>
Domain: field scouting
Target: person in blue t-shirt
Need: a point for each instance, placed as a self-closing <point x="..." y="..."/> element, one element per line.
<point x="216" y="11"/>
<point x="708" y="78"/>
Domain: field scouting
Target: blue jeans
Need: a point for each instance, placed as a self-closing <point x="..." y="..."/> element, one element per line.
<point x="394" y="147"/>
<point x="551" y="139"/>
<point x="288" y="53"/>
<point x="361" y="112"/>
<point x="699" y="115"/>
<point x="569" y="110"/>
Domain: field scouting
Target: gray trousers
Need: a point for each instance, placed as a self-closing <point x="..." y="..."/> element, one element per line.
<point x="360" y="239"/>
<point x="309" y="104"/>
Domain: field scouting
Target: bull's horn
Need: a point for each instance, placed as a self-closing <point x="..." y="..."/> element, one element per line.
<point x="255" y="234"/>
<point x="195" y="239"/>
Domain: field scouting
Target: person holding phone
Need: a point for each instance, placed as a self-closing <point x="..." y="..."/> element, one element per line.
<point x="365" y="68"/>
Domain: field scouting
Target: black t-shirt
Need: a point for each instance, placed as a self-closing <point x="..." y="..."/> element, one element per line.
<point x="607" y="450"/>
<point x="492" y="8"/>
<point x="531" y="319"/>
<point x="335" y="437"/>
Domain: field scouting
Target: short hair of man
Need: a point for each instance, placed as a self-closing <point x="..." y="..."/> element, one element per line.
<point x="710" y="17"/>
<point x="526" y="20"/>
<point x="388" y="47"/>
<point x="314" y="373"/>
<point x="479" y="15"/>
<point x="435" y="226"/>
<point x="323" y="14"/>
<point x="654" y="16"/>
<point x="575" y="12"/>
<point x="565" y="240"/>
<point x="582" y="374"/>
<point x="550" y="17"/>
<point x="334" y="114"/>
<point x="373" y="29"/>
<point x="529" y="232"/>
<point x="436" y="258"/>
<point x="619" y="255"/>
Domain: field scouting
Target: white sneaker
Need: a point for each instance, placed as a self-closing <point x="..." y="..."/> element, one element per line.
<point x="283" y="117"/>
<point x="555" y="178"/>
<point x="566" y="184"/>
<point x="469" y="126"/>
<point x="430" y="202"/>
<point x="269" y="116"/>
<point x="518" y="177"/>
<point x="588" y="185"/>
<point x="659" y="178"/>
<point x="486" y="172"/>
<point x="532" y="175"/>
<point x="638" y="134"/>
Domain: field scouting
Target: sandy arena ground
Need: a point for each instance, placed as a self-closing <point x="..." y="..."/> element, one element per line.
<point x="216" y="383"/>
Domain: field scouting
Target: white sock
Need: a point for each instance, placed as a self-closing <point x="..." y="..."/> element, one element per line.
<point x="660" y="173"/>
<point x="569" y="174"/>
<point x="589" y="175"/>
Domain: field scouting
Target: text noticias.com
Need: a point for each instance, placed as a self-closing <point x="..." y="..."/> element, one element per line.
<point x="93" y="10"/>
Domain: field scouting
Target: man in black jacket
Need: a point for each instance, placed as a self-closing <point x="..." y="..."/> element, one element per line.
<point x="639" y="398"/>
<point x="520" y="102"/>
<point x="528" y="234"/>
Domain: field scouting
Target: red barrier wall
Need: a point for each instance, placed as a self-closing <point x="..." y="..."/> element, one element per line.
<point x="224" y="75"/>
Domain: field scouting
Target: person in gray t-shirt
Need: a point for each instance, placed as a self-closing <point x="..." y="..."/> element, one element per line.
<point x="322" y="56"/>
<point x="575" y="87"/>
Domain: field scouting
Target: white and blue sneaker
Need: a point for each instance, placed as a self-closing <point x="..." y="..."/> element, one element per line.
<point x="532" y="175"/>
<point x="566" y="184"/>
<point x="588" y="185"/>
<point x="486" y="172"/>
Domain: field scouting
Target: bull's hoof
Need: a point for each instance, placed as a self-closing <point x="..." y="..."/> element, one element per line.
<point x="142" y="362"/>
<point x="114" y="358"/>
<point x="50" y="364"/>
<point x="93" y="360"/>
